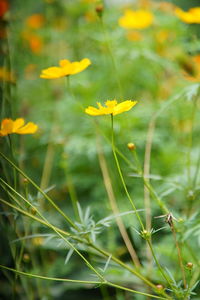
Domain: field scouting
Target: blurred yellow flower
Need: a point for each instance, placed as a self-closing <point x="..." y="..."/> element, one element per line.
<point x="6" y="75"/>
<point x="66" y="68"/>
<point x="111" y="107"/>
<point x="9" y="126"/>
<point x="35" y="21"/>
<point x="191" y="16"/>
<point x="138" y="19"/>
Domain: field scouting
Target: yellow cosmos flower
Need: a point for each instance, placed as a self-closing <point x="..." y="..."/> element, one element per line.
<point x="138" y="19"/>
<point x="192" y="16"/>
<point x="111" y="107"/>
<point x="66" y="68"/>
<point x="9" y="126"/>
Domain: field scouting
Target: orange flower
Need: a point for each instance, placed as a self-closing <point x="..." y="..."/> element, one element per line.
<point x="34" y="41"/>
<point x="35" y="21"/>
<point x="9" y="126"/>
<point x="66" y="68"/>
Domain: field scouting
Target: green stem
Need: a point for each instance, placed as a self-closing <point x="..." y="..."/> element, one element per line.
<point x="101" y="251"/>
<point x="58" y="232"/>
<point x="158" y="264"/>
<point x="80" y="281"/>
<point x="149" y="186"/>
<point x="41" y="191"/>
<point x="121" y="176"/>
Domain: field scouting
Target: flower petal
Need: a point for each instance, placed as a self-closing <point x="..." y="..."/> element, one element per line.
<point x="27" y="129"/>
<point x="6" y="127"/>
<point x="17" y="124"/>
<point x="123" y="106"/>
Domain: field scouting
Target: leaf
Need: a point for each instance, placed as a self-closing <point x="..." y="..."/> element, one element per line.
<point x="69" y="254"/>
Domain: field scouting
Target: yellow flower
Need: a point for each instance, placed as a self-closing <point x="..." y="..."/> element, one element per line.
<point x="66" y="68"/>
<point x="138" y="19"/>
<point x="191" y="16"/>
<point x="111" y="107"/>
<point x="9" y="126"/>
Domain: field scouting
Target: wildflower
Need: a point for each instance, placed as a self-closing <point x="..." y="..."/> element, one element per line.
<point x="111" y="107"/>
<point x="35" y="21"/>
<point x="192" y="16"/>
<point x="66" y="68"/>
<point x="9" y="126"/>
<point x="138" y="19"/>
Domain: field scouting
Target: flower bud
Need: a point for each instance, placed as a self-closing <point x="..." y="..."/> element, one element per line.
<point x="99" y="10"/>
<point x="25" y="180"/>
<point x="159" y="287"/>
<point x="131" y="146"/>
<point x="189" y="265"/>
<point x="26" y="257"/>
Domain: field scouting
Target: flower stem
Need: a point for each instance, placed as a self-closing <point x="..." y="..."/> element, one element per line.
<point x="158" y="264"/>
<point x="121" y="176"/>
<point x="179" y="255"/>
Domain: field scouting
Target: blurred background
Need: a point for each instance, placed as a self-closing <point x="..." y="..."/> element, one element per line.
<point x="155" y="65"/>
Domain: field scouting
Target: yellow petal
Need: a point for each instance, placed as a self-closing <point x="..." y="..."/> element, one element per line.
<point x="27" y="129"/>
<point x="123" y="106"/>
<point x="80" y="66"/>
<point x="6" y="127"/>
<point x="92" y="111"/>
<point x="17" y="124"/>
<point x="64" y="62"/>
<point x="52" y="73"/>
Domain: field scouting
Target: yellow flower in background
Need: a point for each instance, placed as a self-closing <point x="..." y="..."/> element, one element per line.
<point x="66" y="68"/>
<point x="138" y="19"/>
<point x="9" y="126"/>
<point x="191" y="16"/>
<point x="6" y="75"/>
<point x="111" y="107"/>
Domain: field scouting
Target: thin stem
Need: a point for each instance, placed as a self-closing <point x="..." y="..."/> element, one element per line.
<point x="80" y="281"/>
<point x="49" y="278"/>
<point x="41" y="191"/>
<point x="130" y="290"/>
<point x="121" y="176"/>
<point x="179" y="255"/>
<point x="90" y="244"/>
<point x="58" y="232"/>
<point x="158" y="264"/>
<point x="113" y="204"/>
<point x="149" y="186"/>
